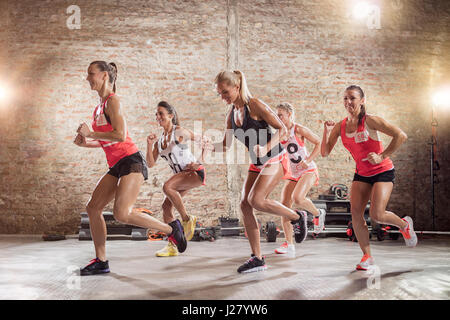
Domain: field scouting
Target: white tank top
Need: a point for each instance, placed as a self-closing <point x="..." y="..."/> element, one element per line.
<point x="177" y="154"/>
<point x="297" y="152"/>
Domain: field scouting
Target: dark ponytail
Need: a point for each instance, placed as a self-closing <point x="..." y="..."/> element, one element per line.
<point x="362" y="112"/>
<point x="170" y="110"/>
<point x="113" y="74"/>
<point x="111" y="68"/>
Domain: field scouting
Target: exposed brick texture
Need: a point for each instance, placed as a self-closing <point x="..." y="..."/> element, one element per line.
<point x="303" y="52"/>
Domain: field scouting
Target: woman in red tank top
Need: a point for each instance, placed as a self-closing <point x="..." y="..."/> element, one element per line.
<point x="374" y="176"/>
<point x="127" y="169"/>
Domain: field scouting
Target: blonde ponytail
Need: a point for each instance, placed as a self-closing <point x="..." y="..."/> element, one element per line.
<point x="244" y="92"/>
<point x="235" y="78"/>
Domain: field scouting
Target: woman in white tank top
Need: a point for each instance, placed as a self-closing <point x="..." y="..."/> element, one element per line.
<point x="303" y="174"/>
<point x="188" y="173"/>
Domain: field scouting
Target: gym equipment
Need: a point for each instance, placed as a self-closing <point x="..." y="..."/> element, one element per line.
<point x="53" y="237"/>
<point x="155" y="236"/>
<point x="351" y="233"/>
<point x="113" y="228"/>
<point x="381" y="231"/>
<point x="270" y="231"/>
<point x="338" y="215"/>
<point x="340" y="191"/>
<point x="434" y="165"/>
<point x="206" y="233"/>
<point x="337" y="191"/>
<point x="229" y="226"/>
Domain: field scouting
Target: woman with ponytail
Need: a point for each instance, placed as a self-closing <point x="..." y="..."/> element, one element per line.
<point x="303" y="175"/>
<point x="248" y="120"/>
<point x="374" y="176"/>
<point x="188" y="173"/>
<point x="127" y="169"/>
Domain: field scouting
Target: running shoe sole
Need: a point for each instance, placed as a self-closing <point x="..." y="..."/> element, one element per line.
<point x="301" y="236"/>
<point x="255" y="269"/>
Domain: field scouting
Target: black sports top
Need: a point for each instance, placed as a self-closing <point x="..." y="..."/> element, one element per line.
<point x="253" y="132"/>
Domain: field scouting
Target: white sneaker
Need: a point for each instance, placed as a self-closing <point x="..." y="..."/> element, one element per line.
<point x="408" y="233"/>
<point x="291" y="251"/>
<point x="366" y="263"/>
<point x="286" y="248"/>
<point x="319" y="222"/>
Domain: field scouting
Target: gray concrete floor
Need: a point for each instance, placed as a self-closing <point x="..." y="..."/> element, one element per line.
<point x="323" y="269"/>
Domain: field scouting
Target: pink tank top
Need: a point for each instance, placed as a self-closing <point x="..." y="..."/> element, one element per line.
<point x="114" y="150"/>
<point x="296" y="152"/>
<point x="360" y="145"/>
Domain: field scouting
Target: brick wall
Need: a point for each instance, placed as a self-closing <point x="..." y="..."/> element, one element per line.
<point x="303" y="52"/>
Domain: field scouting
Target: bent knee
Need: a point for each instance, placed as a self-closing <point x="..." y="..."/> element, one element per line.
<point x="167" y="188"/>
<point x="300" y="201"/>
<point x="93" y="210"/>
<point x="376" y="215"/>
<point x="121" y="216"/>
<point x="256" y="202"/>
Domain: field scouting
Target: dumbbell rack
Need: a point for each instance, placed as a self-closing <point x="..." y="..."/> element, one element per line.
<point x="114" y="229"/>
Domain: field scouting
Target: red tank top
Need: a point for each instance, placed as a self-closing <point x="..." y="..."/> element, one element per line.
<point x="114" y="150"/>
<point x="360" y="145"/>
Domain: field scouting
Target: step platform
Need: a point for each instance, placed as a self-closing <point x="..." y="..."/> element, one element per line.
<point x="114" y="229"/>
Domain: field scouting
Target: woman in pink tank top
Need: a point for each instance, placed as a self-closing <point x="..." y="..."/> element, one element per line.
<point x="127" y="169"/>
<point x="374" y="176"/>
<point x="302" y="176"/>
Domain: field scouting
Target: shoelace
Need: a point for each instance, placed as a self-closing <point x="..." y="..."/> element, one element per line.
<point x="297" y="228"/>
<point x="172" y="239"/>
<point x="406" y="232"/>
<point x="249" y="261"/>
<point x="92" y="262"/>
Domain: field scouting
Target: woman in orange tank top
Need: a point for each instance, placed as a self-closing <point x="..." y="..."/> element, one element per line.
<point x="374" y="176"/>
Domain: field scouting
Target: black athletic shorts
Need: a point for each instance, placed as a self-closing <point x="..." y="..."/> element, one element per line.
<point x="387" y="176"/>
<point x="133" y="163"/>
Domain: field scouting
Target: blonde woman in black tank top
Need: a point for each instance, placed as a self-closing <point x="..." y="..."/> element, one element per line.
<point x="266" y="170"/>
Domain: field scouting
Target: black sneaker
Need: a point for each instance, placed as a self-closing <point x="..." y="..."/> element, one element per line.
<point x="177" y="236"/>
<point x="95" y="266"/>
<point x="253" y="265"/>
<point x="300" y="227"/>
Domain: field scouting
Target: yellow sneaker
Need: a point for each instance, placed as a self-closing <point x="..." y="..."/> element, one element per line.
<point x="168" y="251"/>
<point x="189" y="227"/>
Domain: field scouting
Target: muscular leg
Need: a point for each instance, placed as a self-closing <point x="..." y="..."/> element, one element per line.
<point x="305" y="184"/>
<point x="261" y="189"/>
<point x="250" y="222"/>
<point x="103" y="193"/>
<point x="287" y="200"/>
<point x="381" y="192"/>
<point x="126" y="195"/>
<point x="181" y="181"/>
<point x="359" y="196"/>
<point x="167" y="208"/>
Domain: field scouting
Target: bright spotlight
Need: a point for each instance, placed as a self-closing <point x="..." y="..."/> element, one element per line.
<point x="4" y="93"/>
<point x="361" y="10"/>
<point x="442" y="97"/>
